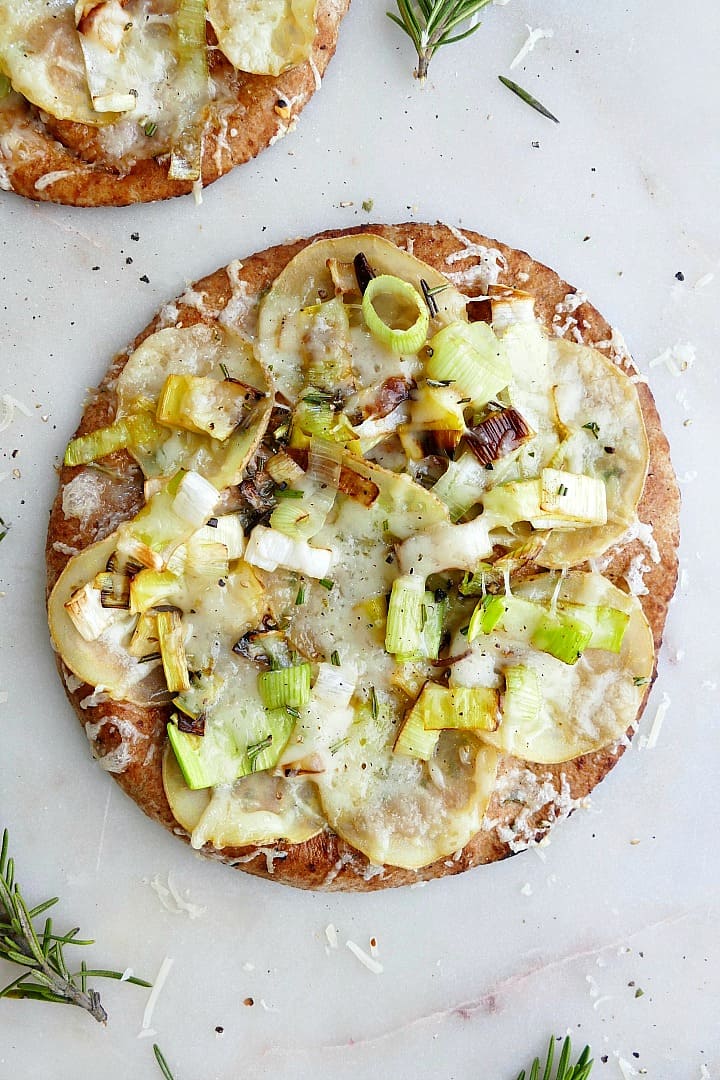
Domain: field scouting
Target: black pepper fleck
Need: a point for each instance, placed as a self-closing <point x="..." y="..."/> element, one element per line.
<point x="680" y="276"/>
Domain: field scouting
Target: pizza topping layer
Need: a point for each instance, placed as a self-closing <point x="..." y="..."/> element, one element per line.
<point x="139" y="71"/>
<point x="351" y="579"/>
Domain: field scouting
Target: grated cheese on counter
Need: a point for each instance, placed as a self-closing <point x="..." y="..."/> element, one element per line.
<point x="367" y="961"/>
<point x="172" y="900"/>
<point x="9" y="406"/>
<point x="331" y="934"/>
<point x="530" y="42"/>
<point x="677" y="358"/>
<point x="650" y="742"/>
<point x="155" y="992"/>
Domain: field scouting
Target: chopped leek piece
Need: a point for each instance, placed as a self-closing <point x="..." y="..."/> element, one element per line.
<point x="413" y="738"/>
<point x="335" y="685"/>
<point x="486" y="616"/>
<point x="172" y="649"/>
<point x="138" y="429"/>
<point x="114" y="589"/>
<point x="87" y="613"/>
<point x="268" y="549"/>
<point x="188" y="751"/>
<point x="283" y="469"/>
<point x="285" y="687"/>
<point x="401" y="303"/>
<point x="459" y="707"/>
<point x="144" y="641"/>
<point x="472" y="358"/>
<point x="461" y="486"/>
<point x="195" y="499"/>
<point x="437" y="408"/>
<point x="265" y="754"/>
<point x="204" y="405"/>
<point x="227" y="530"/>
<point x="327" y="342"/>
<point x="576" y="497"/>
<point x="522" y="700"/>
<point x="562" y="637"/>
<point x="403" y="633"/>
<point x="608" y="624"/>
<point x="152" y="587"/>
<point x="192" y="87"/>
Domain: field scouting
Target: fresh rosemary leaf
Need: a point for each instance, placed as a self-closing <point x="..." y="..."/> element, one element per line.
<point x="432" y="23"/>
<point x="565" y="1070"/>
<point x="46" y="976"/>
<point x="160" y="1058"/>
<point x="527" y="98"/>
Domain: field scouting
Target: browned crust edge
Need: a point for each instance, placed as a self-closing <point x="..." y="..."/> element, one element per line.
<point x="326" y="861"/>
<point x="34" y="149"/>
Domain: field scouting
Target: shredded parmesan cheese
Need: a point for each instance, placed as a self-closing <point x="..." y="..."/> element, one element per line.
<point x="172" y="900"/>
<point x="677" y="358"/>
<point x="530" y="42"/>
<point x="332" y="935"/>
<point x="371" y="964"/>
<point x="650" y="742"/>
<point x="155" y="992"/>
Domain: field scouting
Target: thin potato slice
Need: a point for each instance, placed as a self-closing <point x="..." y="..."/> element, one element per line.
<point x="585" y="706"/>
<point x="259" y="809"/>
<point x="265" y="37"/>
<point x="40" y="53"/>
<point x="204" y="351"/>
<point x="307" y="278"/>
<point x="104" y="663"/>
<point x="401" y="811"/>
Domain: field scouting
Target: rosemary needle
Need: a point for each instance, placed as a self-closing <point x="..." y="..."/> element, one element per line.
<point x="41" y="951"/>
<point x="527" y="98"/>
<point x="160" y="1058"/>
<point x="432" y="23"/>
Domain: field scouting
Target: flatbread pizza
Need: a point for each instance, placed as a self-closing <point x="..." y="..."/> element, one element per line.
<point x="361" y="558"/>
<point x="111" y="102"/>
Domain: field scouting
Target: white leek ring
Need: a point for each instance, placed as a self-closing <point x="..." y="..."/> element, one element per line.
<point x="398" y="341"/>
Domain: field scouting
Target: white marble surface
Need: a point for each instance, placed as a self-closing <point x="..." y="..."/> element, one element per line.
<point x="479" y="970"/>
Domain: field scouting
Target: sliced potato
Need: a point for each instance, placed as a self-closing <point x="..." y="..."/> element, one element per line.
<point x="588" y="420"/>
<point x="195" y="350"/>
<point x="585" y="706"/>
<point x="307" y="279"/>
<point x="264" y="36"/>
<point x="40" y="53"/>
<point x="402" y="811"/>
<point x="259" y="809"/>
<point x="105" y="663"/>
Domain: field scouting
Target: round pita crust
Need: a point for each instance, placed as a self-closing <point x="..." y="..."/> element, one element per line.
<point x="550" y="793"/>
<point x="60" y="161"/>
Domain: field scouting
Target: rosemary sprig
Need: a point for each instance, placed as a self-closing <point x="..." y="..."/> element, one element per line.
<point x="47" y="976"/>
<point x="528" y="98"/>
<point x="432" y="23"/>
<point x="565" y="1070"/>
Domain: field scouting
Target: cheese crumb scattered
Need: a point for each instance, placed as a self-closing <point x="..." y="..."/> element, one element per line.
<point x="530" y="42"/>
<point x="368" y="961"/>
<point x="155" y="992"/>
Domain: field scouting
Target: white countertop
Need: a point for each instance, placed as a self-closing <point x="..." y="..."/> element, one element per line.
<point x="480" y="969"/>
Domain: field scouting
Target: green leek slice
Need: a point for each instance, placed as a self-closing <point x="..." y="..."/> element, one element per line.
<point x="562" y="637"/>
<point x="138" y="431"/>
<point x="469" y="708"/>
<point x="285" y="687"/>
<point x="471" y="357"/>
<point x="401" y="303"/>
<point x="415" y="739"/>
<point x="403" y="632"/>
<point x="462" y="485"/>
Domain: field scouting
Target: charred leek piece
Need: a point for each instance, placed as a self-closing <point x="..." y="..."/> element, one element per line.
<point x="90" y="618"/>
<point x="144" y="641"/>
<point x="498" y="435"/>
<point x="168" y="520"/>
<point x="285" y="687"/>
<point x="172" y="651"/>
<point x="204" y="405"/>
<point x="387" y="300"/>
<point x="470" y="357"/>
<point x="186" y="158"/>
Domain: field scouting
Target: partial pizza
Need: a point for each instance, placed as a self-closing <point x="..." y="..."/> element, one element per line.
<point x="111" y="102"/>
<point x="362" y="555"/>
